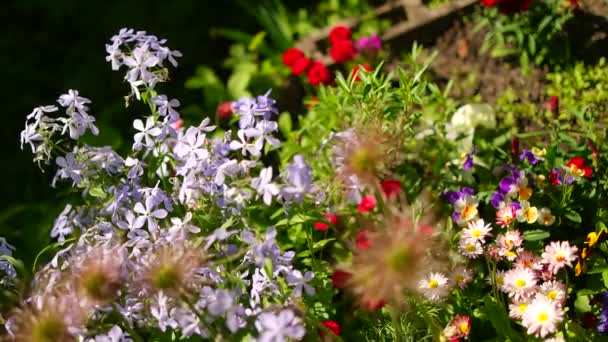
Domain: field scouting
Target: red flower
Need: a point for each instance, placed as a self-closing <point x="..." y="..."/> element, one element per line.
<point x="322" y="226"/>
<point x="515" y="148"/>
<point x="340" y="278"/>
<point x="355" y="72"/>
<point x="333" y="326"/>
<point x="290" y="56"/>
<point x="554" y="105"/>
<point x="300" y="65"/>
<point x="224" y="110"/>
<point x="319" y="74"/>
<point x="391" y="188"/>
<point x="339" y="33"/>
<point x="489" y="3"/>
<point x="361" y="240"/>
<point x="578" y="167"/>
<point x="367" y="203"/>
<point x="426" y="229"/>
<point x="343" y="51"/>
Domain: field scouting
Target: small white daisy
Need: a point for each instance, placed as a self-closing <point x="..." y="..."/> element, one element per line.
<point x="477" y="231"/>
<point x="471" y="249"/>
<point x="520" y="282"/>
<point x="461" y="276"/>
<point x="541" y="317"/>
<point x="434" y="286"/>
<point x="558" y="255"/>
<point x="518" y="307"/>
<point x="553" y="290"/>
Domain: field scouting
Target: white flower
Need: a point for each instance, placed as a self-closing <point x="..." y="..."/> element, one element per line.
<point x="541" y="317"/>
<point x="553" y="290"/>
<point x="559" y="254"/>
<point x="477" y="231"/>
<point x="518" y="307"/>
<point x="145" y="132"/>
<point x="264" y="186"/>
<point x="520" y="282"/>
<point x="470" y="248"/>
<point x="435" y="286"/>
<point x="526" y="213"/>
<point x="544" y="217"/>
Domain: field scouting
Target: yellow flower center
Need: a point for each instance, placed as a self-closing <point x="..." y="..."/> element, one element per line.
<point x="464" y="327"/>
<point x="542" y="317"/>
<point x="520" y="283"/>
<point x="500" y="280"/>
<point x="511" y="254"/>
<point x="471" y="247"/>
<point x="433" y="284"/>
<point x="458" y="279"/>
<point x="552" y="295"/>
<point x="522" y="308"/>
<point x="476" y="233"/>
<point x="560" y="258"/>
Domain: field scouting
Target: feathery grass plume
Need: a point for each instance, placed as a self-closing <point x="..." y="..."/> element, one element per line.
<point x="51" y="318"/>
<point x="402" y="250"/>
<point x="174" y="268"/>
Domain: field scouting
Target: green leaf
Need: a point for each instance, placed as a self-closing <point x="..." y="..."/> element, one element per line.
<point x="535" y="235"/>
<point x="256" y="41"/>
<point x="573" y="216"/>
<point x="582" y="304"/>
<point x="97" y="192"/>
<point x="497" y="315"/>
<point x="285" y="124"/>
<point x="605" y="277"/>
<point x="320" y="244"/>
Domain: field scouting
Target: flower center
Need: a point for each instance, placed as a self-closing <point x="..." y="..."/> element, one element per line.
<point x="468" y="211"/>
<point x="560" y="258"/>
<point x="552" y="295"/>
<point x="542" y="317"/>
<point x="471" y="247"/>
<point x="464" y="328"/>
<point x="458" y="279"/>
<point x="500" y="280"/>
<point x="433" y="284"/>
<point x="520" y="283"/>
<point x="476" y="233"/>
<point x="522" y="307"/>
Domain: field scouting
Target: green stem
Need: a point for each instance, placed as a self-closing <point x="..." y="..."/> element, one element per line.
<point x="396" y="323"/>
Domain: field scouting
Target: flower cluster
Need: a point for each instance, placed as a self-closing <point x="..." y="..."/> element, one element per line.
<point x="142" y="248"/>
<point x="509" y="7"/>
<point x="316" y="71"/>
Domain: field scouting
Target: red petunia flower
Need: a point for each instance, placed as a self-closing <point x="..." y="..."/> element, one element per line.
<point x="322" y="226"/>
<point x="367" y="203"/>
<point x="554" y="105"/>
<point x="319" y="74"/>
<point x="355" y="72"/>
<point x="290" y="56"/>
<point x="340" y="278"/>
<point x="343" y="51"/>
<point x="361" y="240"/>
<point x="578" y="167"/>
<point x="489" y="3"/>
<point x="391" y="188"/>
<point x="300" y="65"/>
<point x="339" y="33"/>
<point x="224" y="110"/>
<point x="333" y="326"/>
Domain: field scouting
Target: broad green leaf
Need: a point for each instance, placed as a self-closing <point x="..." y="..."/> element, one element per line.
<point x="535" y="235"/>
<point x="582" y="304"/>
<point x="97" y="192"/>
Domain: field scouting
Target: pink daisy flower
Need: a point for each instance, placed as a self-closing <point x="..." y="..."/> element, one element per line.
<point x="505" y="215"/>
<point x="559" y="254"/>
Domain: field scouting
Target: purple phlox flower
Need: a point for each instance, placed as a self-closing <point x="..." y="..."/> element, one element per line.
<point x="38" y="114"/>
<point x="159" y="196"/>
<point x="279" y="327"/>
<point x="69" y="168"/>
<point x="115" y="55"/>
<point x="265" y="105"/>
<point x="7" y="270"/>
<point x="468" y="159"/>
<point x="299" y="179"/>
<point x="191" y="147"/>
<point x="184" y="224"/>
<point x="371" y="43"/>
<point x="219" y="234"/>
<point x="62" y="226"/>
<point x="205" y="127"/>
<point x="245" y="108"/>
<point x="261" y="284"/>
<point x="188" y="322"/>
<point x="114" y="335"/>
<point x="160" y="311"/>
<point x="299" y="281"/>
<point x="527" y="154"/>
<point x="77" y="123"/>
<point x="164" y="52"/>
<point x="136" y="167"/>
<point x="255" y="148"/>
<point x="73" y="102"/>
<point x="5" y="247"/>
<point x="139" y="61"/>
<point x="225" y="302"/>
<point x="150" y="213"/>
<point x="131" y="222"/>
<point x="146" y="133"/>
<point x="138" y="239"/>
<point x="264" y="186"/>
<point x="229" y="167"/>
<point x="263" y="131"/>
<point x="497" y="199"/>
<point x="166" y="107"/>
